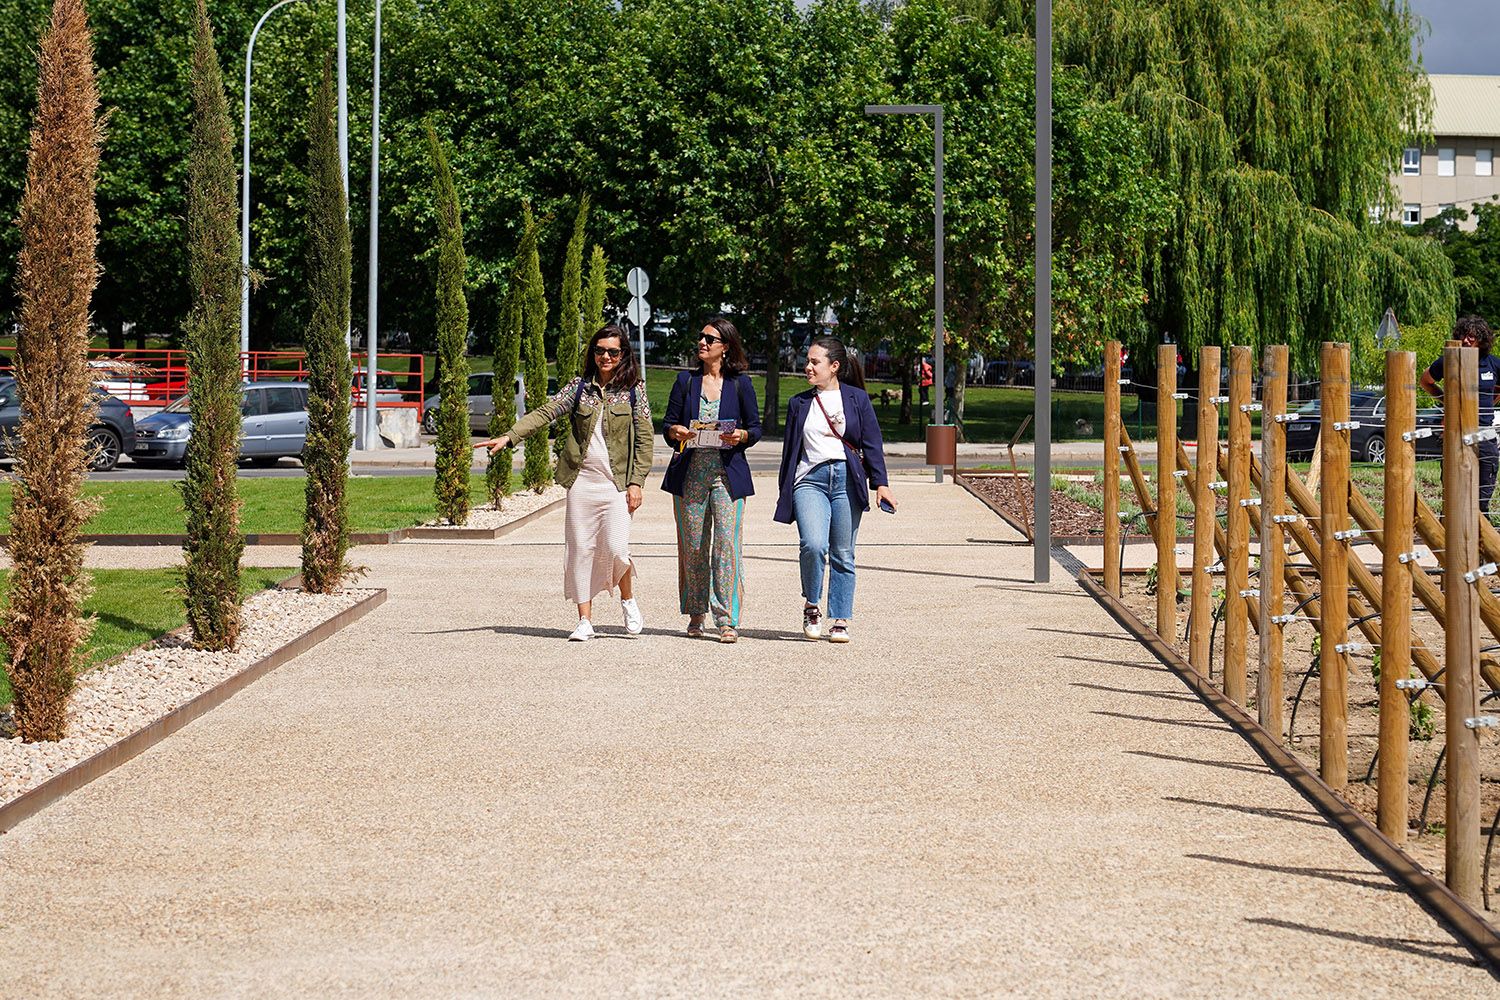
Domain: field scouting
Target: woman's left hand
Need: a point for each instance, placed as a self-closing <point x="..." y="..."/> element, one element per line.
<point x="632" y="498"/>
<point x="735" y="438"/>
<point x="884" y="493"/>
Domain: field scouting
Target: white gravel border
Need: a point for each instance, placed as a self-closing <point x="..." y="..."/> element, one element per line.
<point x="119" y="698"/>
<point x="512" y="508"/>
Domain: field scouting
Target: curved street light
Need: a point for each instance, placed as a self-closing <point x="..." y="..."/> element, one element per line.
<point x="245" y="192"/>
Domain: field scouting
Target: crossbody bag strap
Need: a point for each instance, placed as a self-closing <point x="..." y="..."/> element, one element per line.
<point x="847" y="443"/>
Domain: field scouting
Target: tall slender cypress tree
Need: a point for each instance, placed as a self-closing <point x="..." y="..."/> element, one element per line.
<point x="43" y="623"/>
<point x="537" y="472"/>
<point x="212" y="551"/>
<point x="325" y="527"/>
<point x="497" y="476"/>
<point x="569" y="319"/>
<point x="595" y="293"/>
<point x="454" y="457"/>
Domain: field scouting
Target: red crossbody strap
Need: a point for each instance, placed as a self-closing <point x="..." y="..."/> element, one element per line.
<point x="847" y="443"/>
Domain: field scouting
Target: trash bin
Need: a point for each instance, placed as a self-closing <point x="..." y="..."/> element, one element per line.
<point x="942" y="444"/>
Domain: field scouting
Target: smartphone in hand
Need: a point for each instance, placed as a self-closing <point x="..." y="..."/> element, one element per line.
<point x="886" y="506"/>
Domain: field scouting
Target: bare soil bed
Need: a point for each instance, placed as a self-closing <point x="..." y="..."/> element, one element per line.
<point x="1018" y="498"/>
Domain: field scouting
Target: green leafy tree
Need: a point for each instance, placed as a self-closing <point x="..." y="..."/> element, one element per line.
<point x="325" y="527"/>
<point x="43" y="622"/>
<point x="1475" y="254"/>
<point x="536" y="474"/>
<point x="211" y="555"/>
<point x="454" y="456"/>
<point x="1277" y="124"/>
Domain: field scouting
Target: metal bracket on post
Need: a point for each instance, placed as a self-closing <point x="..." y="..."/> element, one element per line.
<point x="1217" y="400"/>
<point x="1404" y="558"/>
<point x="1486" y="434"/>
<point x="1415" y="684"/>
<point x="1474" y="575"/>
<point x="1420" y="432"/>
<point x="1349" y="535"/>
<point x="1482" y="722"/>
<point x="1249" y="407"/>
<point x="1346" y="425"/>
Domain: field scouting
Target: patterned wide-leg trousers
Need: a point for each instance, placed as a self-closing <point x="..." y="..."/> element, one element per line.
<point x="710" y="565"/>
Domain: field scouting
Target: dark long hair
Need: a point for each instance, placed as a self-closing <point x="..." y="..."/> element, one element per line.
<point x="734" y="362"/>
<point x="629" y="372"/>
<point x="850" y="372"/>
<point x="1476" y="327"/>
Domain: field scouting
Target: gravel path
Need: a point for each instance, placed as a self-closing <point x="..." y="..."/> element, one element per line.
<point x="992" y="791"/>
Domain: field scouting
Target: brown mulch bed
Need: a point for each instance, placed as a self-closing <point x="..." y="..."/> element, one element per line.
<point x="1016" y="496"/>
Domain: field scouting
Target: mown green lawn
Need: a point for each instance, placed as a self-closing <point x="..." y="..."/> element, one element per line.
<point x="154" y="507"/>
<point x="133" y="606"/>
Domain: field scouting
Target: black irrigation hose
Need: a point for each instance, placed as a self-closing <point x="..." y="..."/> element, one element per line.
<point x="1431" y="784"/>
<point x="1291" y="726"/>
<point x="1489" y="847"/>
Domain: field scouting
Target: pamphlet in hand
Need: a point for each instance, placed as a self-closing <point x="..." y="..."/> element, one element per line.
<point x="707" y="433"/>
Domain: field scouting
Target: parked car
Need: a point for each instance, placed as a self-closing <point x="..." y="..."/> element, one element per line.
<point x="481" y="402"/>
<point x="1367" y="441"/>
<point x="1020" y="372"/>
<point x="385" y="387"/>
<point x="275" y="425"/>
<point x="112" y="434"/>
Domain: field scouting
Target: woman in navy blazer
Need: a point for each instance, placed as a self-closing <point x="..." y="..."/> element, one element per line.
<point x="832" y="454"/>
<point x="709" y="485"/>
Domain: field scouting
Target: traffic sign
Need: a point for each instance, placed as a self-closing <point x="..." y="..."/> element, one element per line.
<point x="639" y="312"/>
<point x="637" y="282"/>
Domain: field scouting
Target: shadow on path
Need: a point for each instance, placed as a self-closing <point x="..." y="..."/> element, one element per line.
<point x="1308" y="818"/>
<point x="1442" y="951"/>
<point x="615" y="632"/>
<point x="1185" y="723"/>
<point x="1369" y="881"/>
<point x="1225" y="764"/>
<point x="1163" y="695"/>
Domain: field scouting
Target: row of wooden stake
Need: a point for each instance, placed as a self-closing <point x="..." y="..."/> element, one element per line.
<point x="1328" y="586"/>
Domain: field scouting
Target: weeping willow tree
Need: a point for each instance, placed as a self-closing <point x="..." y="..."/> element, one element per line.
<point x="1278" y="124"/>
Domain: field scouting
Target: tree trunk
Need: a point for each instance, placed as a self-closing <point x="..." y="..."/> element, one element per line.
<point x="960" y="382"/>
<point x="770" y="416"/>
<point x="116" y="331"/>
<point x="906" y="383"/>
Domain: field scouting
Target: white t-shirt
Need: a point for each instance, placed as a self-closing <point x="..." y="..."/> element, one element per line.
<point x="820" y="440"/>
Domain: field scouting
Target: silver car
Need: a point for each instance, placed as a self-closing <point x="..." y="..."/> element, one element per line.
<point x="275" y="425"/>
<point x="481" y="403"/>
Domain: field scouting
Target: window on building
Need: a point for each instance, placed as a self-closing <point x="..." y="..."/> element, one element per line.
<point x="1445" y="162"/>
<point x="1411" y="214"/>
<point x="1411" y="161"/>
<point x="1484" y="162"/>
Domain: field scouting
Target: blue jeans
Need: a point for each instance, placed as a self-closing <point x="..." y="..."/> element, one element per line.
<point x="827" y="524"/>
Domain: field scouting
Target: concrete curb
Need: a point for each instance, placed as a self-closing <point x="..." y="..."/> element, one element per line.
<point x="31" y="802"/>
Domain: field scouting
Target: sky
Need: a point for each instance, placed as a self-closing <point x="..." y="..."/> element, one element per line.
<point x="1464" y="35"/>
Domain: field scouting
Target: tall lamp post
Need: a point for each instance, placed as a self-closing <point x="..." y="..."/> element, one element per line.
<point x="1041" y="552"/>
<point x="936" y="110"/>
<point x="245" y="193"/>
<point x="372" y="423"/>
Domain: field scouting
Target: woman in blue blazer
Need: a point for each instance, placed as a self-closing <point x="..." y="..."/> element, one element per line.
<point x="709" y="484"/>
<point x="832" y="454"/>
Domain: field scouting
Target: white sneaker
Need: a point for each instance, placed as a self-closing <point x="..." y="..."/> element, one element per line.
<point x="812" y="621"/>
<point x="633" y="620"/>
<point x="584" y="632"/>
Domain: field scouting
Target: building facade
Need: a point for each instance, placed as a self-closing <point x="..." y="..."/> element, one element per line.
<point x="1458" y="169"/>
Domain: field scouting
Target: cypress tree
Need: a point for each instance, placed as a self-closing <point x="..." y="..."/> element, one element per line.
<point x="570" y="319"/>
<point x="536" y="474"/>
<point x="454" y="456"/>
<point x="507" y="363"/>
<point x="43" y="623"/>
<point x="325" y="526"/>
<point x="594" y="294"/>
<point x="211" y="554"/>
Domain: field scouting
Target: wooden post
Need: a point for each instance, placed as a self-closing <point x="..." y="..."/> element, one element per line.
<point x="1269" y="688"/>
<point x="1112" y="467"/>
<point x="1460" y="556"/>
<point x="1205" y="510"/>
<point x="1333" y="630"/>
<point x="1395" y="593"/>
<point x="1237" y="563"/>
<point x="1166" y="492"/>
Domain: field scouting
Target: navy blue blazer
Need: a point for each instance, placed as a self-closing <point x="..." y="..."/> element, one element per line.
<point x="738" y="405"/>
<point x="861" y="427"/>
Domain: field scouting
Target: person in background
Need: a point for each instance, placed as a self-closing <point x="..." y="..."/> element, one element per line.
<point x="709" y="485"/>
<point x="924" y="381"/>
<point x="830" y="457"/>
<point x="606" y="455"/>
<point x="1475" y="332"/>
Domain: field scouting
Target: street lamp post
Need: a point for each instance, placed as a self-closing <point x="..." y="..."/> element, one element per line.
<point x="1041" y="552"/>
<point x="936" y="110"/>
<point x="372" y="423"/>
<point x="245" y="193"/>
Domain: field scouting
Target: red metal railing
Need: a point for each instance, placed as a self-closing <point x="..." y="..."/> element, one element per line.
<point x="158" y="377"/>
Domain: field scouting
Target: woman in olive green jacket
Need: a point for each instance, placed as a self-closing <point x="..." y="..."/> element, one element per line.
<point x="607" y="443"/>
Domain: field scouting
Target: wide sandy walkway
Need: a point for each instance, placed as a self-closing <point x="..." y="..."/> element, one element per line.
<point x="991" y="791"/>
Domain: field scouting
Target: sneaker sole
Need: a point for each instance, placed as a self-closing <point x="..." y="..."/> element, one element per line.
<point x="838" y="638"/>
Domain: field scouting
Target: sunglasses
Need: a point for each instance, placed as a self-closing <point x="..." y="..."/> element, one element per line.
<point x="607" y="352"/>
<point x="710" y="339"/>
